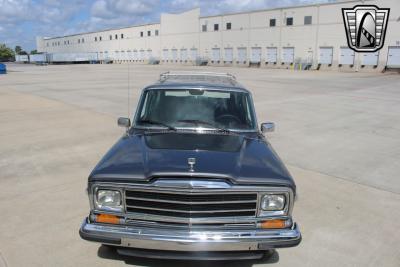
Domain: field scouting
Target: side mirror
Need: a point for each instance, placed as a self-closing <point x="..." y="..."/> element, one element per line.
<point x="267" y="127"/>
<point x="124" y="122"/>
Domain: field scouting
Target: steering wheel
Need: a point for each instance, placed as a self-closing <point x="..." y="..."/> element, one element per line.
<point x="228" y="116"/>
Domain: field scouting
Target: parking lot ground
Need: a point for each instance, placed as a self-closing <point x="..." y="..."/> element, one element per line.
<point x="338" y="133"/>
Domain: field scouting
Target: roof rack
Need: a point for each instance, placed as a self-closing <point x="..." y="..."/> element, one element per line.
<point x="168" y="75"/>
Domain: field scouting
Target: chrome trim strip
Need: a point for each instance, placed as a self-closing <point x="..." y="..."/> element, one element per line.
<point x="183" y="240"/>
<point x="190" y="211"/>
<point x="189" y="184"/>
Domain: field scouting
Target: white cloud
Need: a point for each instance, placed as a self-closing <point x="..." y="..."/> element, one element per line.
<point x="22" y="20"/>
<point x="211" y="7"/>
<point x="116" y="13"/>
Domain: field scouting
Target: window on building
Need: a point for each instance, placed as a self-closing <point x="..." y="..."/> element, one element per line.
<point x="83" y="40"/>
<point x="156" y="32"/>
<point x="122" y="36"/>
<point x="148" y="33"/>
<point x="229" y="26"/>
<point x="79" y="41"/>
<point x="116" y="36"/>
<point x="216" y="27"/>
<point x="307" y="20"/>
<point x="58" y="42"/>
<point x="95" y="39"/>
<point x="68" y="42"/>
<point x="204" y="28"/>
<point x="289" y="21"/>
<point x="272" y="22"/>
<point x="110" y="37"/>
<point x="100" y="38"/>
<point x="141" y="34"/>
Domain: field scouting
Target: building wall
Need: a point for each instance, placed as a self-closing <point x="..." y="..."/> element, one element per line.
<point x="249" y="31"/>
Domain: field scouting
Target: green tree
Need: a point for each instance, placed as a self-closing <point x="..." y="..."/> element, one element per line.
<point x="33" y="52"/>
<point x="6" y="53"/>
<point x="18" y="49"/>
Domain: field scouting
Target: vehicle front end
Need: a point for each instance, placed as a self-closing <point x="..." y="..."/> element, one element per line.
<point x="190" y="218"/>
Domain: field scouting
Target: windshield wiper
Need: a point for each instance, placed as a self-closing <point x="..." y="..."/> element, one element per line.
<point x="215" y="128"/>
<point x="158" y="123"/>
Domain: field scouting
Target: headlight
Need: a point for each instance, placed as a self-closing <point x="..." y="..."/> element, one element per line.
<point x="108" y="200"/>
<point x="273" y="202"/>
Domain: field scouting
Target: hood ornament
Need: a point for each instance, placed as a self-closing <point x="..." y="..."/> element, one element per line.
<point x="191" y="162"/>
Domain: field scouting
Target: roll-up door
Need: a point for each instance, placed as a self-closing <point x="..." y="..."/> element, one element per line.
<point x="183" y="55"/>
<point x="394" y="57"/>
<point x="165" y="54"/>
<point x="174" y="54"/>
<point x="242" y="54"/>
<point x="193" y="54"/>
<point x="325" y="55"/>
<point x="288" y="55"/>
<point x="228" y="55"/>
<point x="272" y="54"/>
<point x="255" y="55"/>
<point x="346" y="56"/>
<point x="216" y="55"/>
<point x="370" y="59"/>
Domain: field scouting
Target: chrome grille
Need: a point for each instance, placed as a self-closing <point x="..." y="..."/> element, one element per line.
<point x="191" y="204"/>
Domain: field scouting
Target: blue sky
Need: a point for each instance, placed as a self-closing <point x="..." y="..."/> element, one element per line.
<point x="22" y="20"/>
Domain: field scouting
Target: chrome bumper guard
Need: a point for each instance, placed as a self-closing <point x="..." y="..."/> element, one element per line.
<point x="190" y="241"/>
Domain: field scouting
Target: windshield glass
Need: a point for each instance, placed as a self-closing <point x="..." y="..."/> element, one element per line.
<point x="196" y="108"/>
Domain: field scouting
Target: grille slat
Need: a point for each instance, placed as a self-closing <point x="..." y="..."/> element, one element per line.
<point x="190" y="204"/>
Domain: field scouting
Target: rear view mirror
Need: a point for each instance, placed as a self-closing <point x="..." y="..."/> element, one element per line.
<point x="267" y="127"/>
<point x="124" y="122"/>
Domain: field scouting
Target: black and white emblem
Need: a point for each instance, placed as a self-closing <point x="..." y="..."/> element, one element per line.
<point x="365" y="27"/>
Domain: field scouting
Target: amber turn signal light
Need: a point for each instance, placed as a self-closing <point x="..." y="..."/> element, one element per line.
<point x="107" y="218"/>
<point x="273" y="224"/>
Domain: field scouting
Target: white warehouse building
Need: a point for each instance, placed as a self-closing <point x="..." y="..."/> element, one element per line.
<point x="290" y="37"/>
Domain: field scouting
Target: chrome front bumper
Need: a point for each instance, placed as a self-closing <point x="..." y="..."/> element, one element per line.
<point x="190" y="241"/>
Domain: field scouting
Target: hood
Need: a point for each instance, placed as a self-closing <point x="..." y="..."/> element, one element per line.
<point x="238" y="158"/>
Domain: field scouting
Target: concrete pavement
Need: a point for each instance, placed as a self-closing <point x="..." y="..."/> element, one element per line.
<point x="337" y="132"/>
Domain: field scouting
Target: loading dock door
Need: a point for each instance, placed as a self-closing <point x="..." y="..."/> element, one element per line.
<point x="394" y="57"/>
<point x="165" y="54"/>
<point x="346" y="56"/>
<point x="142" y="55"/>
<point x="325" y="55"/>
<point x="184" y="54"/>
<point x="242" y="55"/>
<point x="216" y="55"/>
<point x="193" y="54"/>
<point x="272" y="54"/>
<point x="288" y="55"/>
<point x="228" y="55"/>
<point x="370" y="59"/>
<point x="255" y="54"/>
<point x="149" y="54"/>
<point x="174" y="54"/>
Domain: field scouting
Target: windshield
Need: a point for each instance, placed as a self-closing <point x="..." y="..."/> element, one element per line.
<point x="196" y="108"/>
